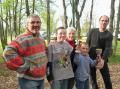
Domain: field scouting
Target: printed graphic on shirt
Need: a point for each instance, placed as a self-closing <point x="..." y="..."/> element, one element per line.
<point x="62" y="58"/>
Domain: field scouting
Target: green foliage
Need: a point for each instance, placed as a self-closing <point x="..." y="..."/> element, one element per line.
<point x="85" y="26"/>
<point x="44" y="20"/>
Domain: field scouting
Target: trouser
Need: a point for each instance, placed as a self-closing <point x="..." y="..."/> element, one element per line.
<point x="105" y="75"/>
<point x="71" y="83"/>
<point x="30" y="84"/>
<point x="59" y="84"/>
<point x="82" y="84"/>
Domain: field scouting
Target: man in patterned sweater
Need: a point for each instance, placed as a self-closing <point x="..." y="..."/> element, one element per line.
<point x="27" y="56"/>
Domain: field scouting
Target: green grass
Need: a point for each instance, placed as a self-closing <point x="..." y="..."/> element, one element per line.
<point x="115" y="59"/>
<point x="1" y="60"/>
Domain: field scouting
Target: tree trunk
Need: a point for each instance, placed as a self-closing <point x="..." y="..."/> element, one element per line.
<point x="73" y="13"/>
<point x="112" y="16"/>
<point x="33" y="9"/>
<point x="91" y="11"/>
<point x="78" y="16"/>
<point x="3" y="31"/>
<point x="15" y="18"/>
<point x="117" y="27"/>
<point x="48" y="20"/>
<point x="65" y="14"/>
<point x="19" y="23"/>
<point x="27" y="8"/>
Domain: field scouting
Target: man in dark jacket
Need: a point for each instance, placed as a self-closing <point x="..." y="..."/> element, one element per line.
<point x="101" y="38"/>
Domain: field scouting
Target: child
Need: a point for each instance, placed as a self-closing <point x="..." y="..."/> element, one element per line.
<point x="83" y="62"/>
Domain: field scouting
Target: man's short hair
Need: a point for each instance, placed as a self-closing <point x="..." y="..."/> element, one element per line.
<point x="102" y="16"/>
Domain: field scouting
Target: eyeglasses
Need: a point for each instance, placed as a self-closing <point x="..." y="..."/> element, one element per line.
<point x="33" y="22"/>
<point x="104" y="20"/>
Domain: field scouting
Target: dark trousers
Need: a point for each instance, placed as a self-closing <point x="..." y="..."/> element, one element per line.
<point x="105" y="75"/>
<point x="71" y="82"/>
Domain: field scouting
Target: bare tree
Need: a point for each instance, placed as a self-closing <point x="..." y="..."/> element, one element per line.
<point x="27" y="8"/>
<point x="65" y="14"/>
<point x="112" y="16"/>
<point x="20" y="17"/>
<point x="78" y="15"/>
<point x="91" y="11"/>
<point x="48" y="20"/>
<point x="15" y="17"/>
<point x="33" y="6"/>
<point x="117" y="27"/>
<point x="3" y="31"/>
<point x="72" y="22"/>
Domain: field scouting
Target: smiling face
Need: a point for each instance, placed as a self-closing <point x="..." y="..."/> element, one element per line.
<point x="84" y="49"/>
<point x="70" y="33"/>
<point x="33" y="24"/>
<point x="61" y="35"/>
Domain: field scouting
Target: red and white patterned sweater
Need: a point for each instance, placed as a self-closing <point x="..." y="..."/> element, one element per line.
<point x="27" y="55"/>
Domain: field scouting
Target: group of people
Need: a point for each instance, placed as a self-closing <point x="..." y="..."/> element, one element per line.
<point x="60" y="62"/>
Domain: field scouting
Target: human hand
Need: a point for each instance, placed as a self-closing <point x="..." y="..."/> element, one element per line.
<point x="100" y="64"/>
<point x="98" y="58"/>
<point x="50" y="82"/>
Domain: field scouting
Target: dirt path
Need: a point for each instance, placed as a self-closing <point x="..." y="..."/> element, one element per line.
<point x="8" y="78"/>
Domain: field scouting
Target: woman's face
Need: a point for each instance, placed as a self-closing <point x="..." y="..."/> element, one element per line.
<point x="61" y="35"/>
<point x="70" y="35"/>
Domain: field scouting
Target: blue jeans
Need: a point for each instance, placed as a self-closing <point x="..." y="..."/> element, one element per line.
<point x="59" y="84"/>
<point x="82" y="84"/>
<point x="30" y="84"/>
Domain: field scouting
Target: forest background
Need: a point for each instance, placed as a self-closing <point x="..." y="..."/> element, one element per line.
<point x="81" y="14"/>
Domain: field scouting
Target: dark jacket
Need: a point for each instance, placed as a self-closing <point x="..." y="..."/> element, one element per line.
<point x="93" y="41"/>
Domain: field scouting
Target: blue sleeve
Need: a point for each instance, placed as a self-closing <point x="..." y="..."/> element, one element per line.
<point x="76" y="58"/>
<point x="92" y="62"/>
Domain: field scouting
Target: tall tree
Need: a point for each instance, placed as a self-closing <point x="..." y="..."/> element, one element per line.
<point x="72" y="22"/>
<point x="78" y="15"/>
<point x="4" y="23"/>
<point x="91" y="11"/>
<point x="65" y="14"/>
<point x="20" y="17"/>
<point x="117" y="26"/>
<point x="27" y="8"/>
<point x="33" y="9"/>
<point x="48" y="20"/>
<point x="15" y="17"/>
<point x="73" y="12"/>
<point x="112" y="12"/>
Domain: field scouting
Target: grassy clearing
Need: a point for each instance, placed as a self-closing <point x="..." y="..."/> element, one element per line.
<point x="115" y="59"/>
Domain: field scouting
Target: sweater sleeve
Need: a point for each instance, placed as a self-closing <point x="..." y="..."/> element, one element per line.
<point x="92" y="62"/>
<point x="76" y="58"/>
<point x="13" y="59"/>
